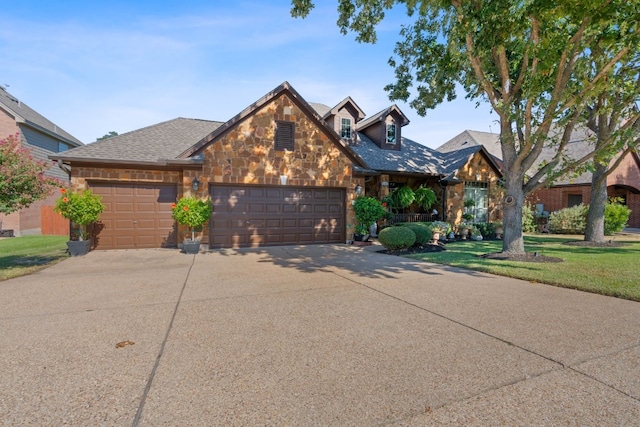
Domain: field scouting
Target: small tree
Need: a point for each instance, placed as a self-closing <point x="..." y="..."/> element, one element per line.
<point x="81" y="208"/>
<point x="22" y="179"/>
<point x="192" y="212"/>
<point x="368" y="210"/>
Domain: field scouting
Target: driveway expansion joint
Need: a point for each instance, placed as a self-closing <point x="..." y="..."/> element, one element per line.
<point x="147" y="388"/>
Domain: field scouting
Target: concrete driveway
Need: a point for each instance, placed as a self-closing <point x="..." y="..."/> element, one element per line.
<point x="319" y="335"/>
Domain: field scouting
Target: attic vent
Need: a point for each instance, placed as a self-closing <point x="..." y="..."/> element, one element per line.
<point x="284" y="135"/>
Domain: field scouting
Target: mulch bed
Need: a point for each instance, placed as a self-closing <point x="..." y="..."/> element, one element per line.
<point x="414" y="250"/>
<point x="526" y="257"/>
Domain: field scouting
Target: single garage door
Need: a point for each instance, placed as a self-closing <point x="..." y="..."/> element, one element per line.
<point x="135" y="216"/>
<point x="251" y="216"/>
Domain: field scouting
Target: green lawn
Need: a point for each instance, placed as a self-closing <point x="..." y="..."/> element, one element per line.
<point x="611" y="271"/>
<point x="24" y="255"/>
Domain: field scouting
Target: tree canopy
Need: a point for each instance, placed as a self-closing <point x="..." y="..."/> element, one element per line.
<point x="22" y="179"/>
<point x="532" y="60"/>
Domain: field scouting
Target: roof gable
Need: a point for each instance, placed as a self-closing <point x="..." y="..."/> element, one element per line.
<point x="381" y="116"/>
<point x="285" y="89"/>
<point x="349" y="104"/>
<point x="24" y="114"/>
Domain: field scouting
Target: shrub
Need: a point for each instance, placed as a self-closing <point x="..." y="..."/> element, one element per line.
<point x="616" y="216"/>
<point x="368" y="210"/>
<point x="571" y="220"/>
<point x="487" y="229"/>
<point x="423" y="232"/>
<point x="528" y="219"/>
<point x="394" y="238"/>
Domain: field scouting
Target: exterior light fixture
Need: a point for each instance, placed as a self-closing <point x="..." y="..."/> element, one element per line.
<point x="283" y="179"/>
<point x="195" y="184"/>
<point x="358" y="190"/>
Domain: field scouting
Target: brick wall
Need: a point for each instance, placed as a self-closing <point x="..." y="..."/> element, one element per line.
<point x="557" y="198"/>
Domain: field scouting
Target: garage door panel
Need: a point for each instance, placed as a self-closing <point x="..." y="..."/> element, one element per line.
<point x="135" y="215"/>
<point x="256" y="216"/>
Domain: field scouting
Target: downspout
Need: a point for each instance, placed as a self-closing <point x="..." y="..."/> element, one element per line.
<point x="64" y="168"/>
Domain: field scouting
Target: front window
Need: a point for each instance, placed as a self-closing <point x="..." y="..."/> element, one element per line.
<point x="345" y="128"/>
<point x="479" y="193"/>
<point x="391" y="134"/>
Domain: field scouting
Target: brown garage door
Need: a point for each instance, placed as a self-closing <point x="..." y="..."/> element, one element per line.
<point x="135" y="216"/>
<point x="267" y="216"/>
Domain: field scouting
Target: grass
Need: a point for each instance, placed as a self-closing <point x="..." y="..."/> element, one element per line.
<point x="610" y="271"/>
<point x="28" y="254"/>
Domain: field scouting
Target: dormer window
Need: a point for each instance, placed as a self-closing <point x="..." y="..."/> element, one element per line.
<point x="391" y="133"/>
<point x="345" y="128"/>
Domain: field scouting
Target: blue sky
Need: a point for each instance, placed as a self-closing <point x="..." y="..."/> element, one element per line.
<point x="95" y="67"/>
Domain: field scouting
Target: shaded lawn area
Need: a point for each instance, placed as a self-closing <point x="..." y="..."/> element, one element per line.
<point x="27" y="254"/>
<point x="613" y="271"/>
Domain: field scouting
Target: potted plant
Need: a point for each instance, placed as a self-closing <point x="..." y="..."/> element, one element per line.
<point x="81" y="208"/>
<point x="463" y="230"/>
<point x="438" y="229"/>
<point x="368" y="210"/>
<point x="499" y="229"/>
<point x="193" y="213"/>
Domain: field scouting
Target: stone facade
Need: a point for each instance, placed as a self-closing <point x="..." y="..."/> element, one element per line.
<point x="245" y="155"/>
<point x="476" y="170"/>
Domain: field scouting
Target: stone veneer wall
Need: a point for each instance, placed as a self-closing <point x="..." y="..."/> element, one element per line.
<point x="245" y="154"/>
<point x="478" y="165"/>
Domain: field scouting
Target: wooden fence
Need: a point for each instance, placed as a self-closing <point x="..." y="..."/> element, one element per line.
<point x="51" y="223"/>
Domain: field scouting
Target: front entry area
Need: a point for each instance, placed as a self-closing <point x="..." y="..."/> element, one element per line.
<point x="253" y="216"/>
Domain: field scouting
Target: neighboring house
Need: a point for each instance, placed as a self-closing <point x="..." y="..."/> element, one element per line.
<point x="43" y="138"/>
<point x="283" y="171"/>
<point x="567" y="191"/>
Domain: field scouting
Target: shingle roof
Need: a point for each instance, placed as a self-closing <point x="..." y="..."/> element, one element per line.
<point x="25" y="114"/>
<point x="412" y="158"/>
<point x="321" y="109"/>
<point x="579" y="144"/>
<point x="166" y="140"/>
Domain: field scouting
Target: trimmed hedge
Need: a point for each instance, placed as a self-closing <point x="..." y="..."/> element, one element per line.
<point x="394" y="238"/>
<point x="423" y="233"/>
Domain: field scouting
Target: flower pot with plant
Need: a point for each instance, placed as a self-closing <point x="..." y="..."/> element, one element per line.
<point x="438" y="229"/>
<point x="82" y="209"/>
<point x="368" y="210"/>
<point x="193" y="213"/>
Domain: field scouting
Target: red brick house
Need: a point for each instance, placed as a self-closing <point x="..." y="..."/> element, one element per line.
<point x="43" y="138"/>
<point x="623" y="182"/>
<point x="283" y="171"/>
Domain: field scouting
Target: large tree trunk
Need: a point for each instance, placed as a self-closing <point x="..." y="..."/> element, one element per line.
<point x="595" y="219"/>
<point x="513" y="239"/>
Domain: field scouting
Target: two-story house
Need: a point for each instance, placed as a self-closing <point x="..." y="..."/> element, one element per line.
<point x="43" y="138"/>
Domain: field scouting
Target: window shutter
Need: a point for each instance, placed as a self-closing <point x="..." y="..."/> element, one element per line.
<point x="284" y="136"/>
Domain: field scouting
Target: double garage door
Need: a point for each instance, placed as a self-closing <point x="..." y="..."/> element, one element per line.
<point x="139" y="216"/>
<point x="251" y="216"/>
